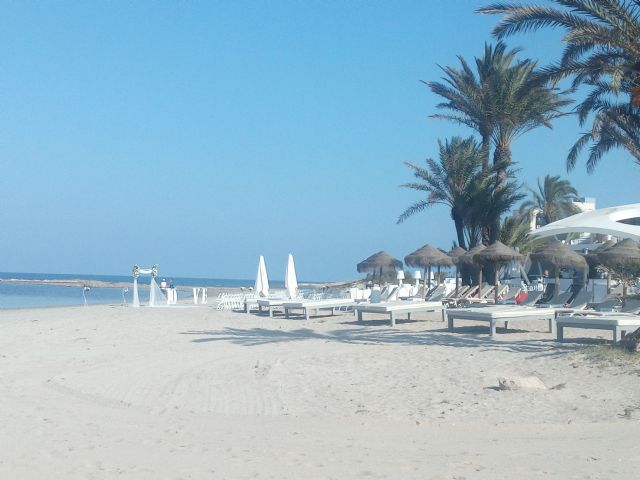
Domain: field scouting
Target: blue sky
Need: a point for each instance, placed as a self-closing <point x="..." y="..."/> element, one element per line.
<point x="199" y="135"/>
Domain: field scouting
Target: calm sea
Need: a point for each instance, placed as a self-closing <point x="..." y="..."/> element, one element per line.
<point x="25" y="295"/>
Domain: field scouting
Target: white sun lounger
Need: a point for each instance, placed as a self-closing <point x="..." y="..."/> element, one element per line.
<point x="396" y="307"/>
<point x="269" y="304"/>
<point x="500" y="313"/>
<point x="616" y="323"/>
<point x="315" y="305"/>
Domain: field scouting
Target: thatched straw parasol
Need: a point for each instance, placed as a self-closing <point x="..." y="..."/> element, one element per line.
<point x="560" y="256"/>
<point x="468" y="260"/>
<point x="425" y="257"/>
<point x="497" y="253"/>
<point x="378" y="262"/>
<point x="455" y="253"/>
<point x="623" y="259"/>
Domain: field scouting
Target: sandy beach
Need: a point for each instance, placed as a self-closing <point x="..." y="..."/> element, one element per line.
<point x="191" y="392"/>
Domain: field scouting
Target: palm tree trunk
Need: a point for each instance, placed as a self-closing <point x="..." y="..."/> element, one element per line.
<point x="457" y="220"/>
<point x="502" y="160"/>
<point x="486" y="149"/>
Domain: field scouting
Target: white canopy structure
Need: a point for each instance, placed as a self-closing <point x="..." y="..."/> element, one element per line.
<point x="617" y="221"/>
<point x="155" y="294"/>
<point x="290" y="279"/>
<point x="261" y="287"/>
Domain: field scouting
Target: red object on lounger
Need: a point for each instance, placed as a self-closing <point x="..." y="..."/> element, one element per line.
<point x="521" y="297"/>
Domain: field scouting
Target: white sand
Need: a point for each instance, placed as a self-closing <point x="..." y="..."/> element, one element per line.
<point x="191" y="393"/>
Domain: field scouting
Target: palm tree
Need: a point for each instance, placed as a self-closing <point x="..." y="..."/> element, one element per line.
<point x="459" y="181"/>
<point x="515" y="233"/>
<point x="602" y="51"/>
<point x="449" y="181"/>
<point x="505" y="100"/>
<point x="488" y="203"/>
<point x="468" y="95"/>
<point x="614" y="126"/>
<point x="553" y="200"/>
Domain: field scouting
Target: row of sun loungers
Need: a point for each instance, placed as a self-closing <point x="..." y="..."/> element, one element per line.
<point x="618" y="322"/>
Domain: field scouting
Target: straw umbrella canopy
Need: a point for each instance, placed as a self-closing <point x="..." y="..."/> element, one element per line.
<point x="497" y="253"/>
<point x="468" y="260"/>
<point x="379" y="262"/>
<point x="560" y="256"/>
<point x="623" y="259"/>
<point x="425" y="257"/>
<point x="455" y="253"/>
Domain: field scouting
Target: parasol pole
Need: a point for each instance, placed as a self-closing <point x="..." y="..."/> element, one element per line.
<point x="456" y="294"/>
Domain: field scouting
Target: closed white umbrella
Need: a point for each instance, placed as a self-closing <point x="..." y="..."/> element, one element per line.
<point x="262" y="281"/>
<point x="290" y="280"/>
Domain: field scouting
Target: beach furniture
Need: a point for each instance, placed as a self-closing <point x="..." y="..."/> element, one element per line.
<point x="488" y="298"/>
<point x="359" y="294"/>
<point x="500" y="313"/>
<point x="395" y="308"/>
<point x="532" y="297"/>
<point x="270" y="304"/>
<point x="612" y="305"/>
<point x="560" y="300"/>
<point x="452" y="301"/>
<point x="231" y="301"/>
<point x="249" y="302"/>
<point x="389" y="293"/>
<point x="405" y="291"/>
<point x="617" y="323"/>
<point x="473" y="295"/>
<point x="510" y="297"/>
<point x="436" y="293"/>
<point x="581" y="299"/>
<point x="376" y="295"/>
<point x="292" y="306"/>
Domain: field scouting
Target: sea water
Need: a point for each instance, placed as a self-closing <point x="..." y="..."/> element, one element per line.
<point x="28" y="295"/>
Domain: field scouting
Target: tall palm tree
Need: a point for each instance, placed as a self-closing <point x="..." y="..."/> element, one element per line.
<point x="468" y="95"/>
<point x="448" y="182"/>
<point x="504" y="100"/>
<point x="602" y="51"/>
<point x="553" y="199"/>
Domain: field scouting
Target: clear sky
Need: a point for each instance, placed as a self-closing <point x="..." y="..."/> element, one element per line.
<point x="199" y="135"/>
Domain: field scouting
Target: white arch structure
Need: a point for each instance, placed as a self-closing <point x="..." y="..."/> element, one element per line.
<point x="155" y="294"/>
<point x="607" y="221"/>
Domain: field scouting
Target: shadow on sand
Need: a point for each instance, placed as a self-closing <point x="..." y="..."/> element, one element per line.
<point x="472" y="336"/>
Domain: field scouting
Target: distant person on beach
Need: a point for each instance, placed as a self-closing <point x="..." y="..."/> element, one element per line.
<point x="163" y="286"/>
<point x="171" y="284"/>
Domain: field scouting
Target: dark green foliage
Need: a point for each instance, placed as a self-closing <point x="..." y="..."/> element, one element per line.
<point x="602" y="52"/>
